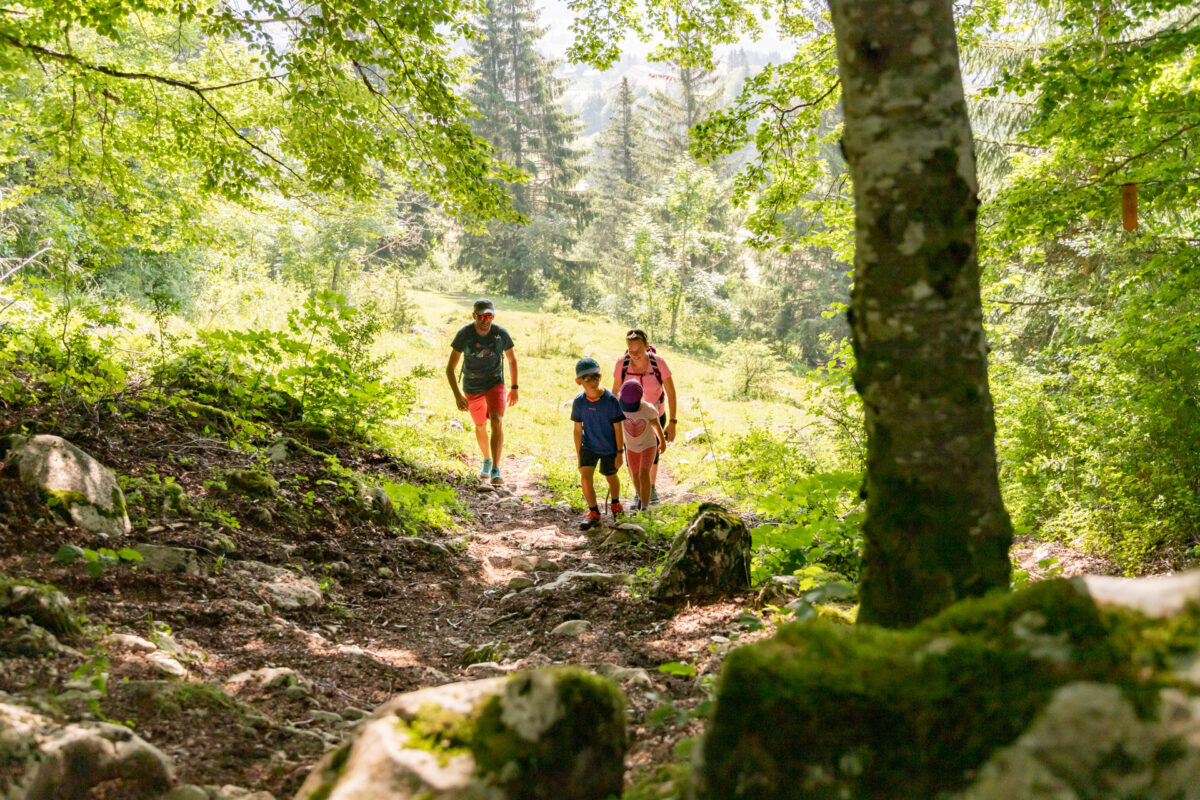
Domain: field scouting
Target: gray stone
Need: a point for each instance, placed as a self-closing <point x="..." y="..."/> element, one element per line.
<point x="164" y="664"/>
<point x="324" y="716"/>
<point x="779" y="591"/>
<point x="160" y="558"/>
<point x="519" y="583"/>
<point x="696" y="436"/>
<point x="566" y="579"/>
<point x="66" y="762"/>
<point x="534" y="564"/>
<point x="1089" y="742"/>
<point x="353" y="712"/>
<point x="377" y="504"/>
<point x="71" y="480"/>
<point x="620" y="537"/>
<point x="571" y="628"/>
<point x="187" y="791"/>
<point x="711" y="557"/>
<point x="563" y="730"/>
<point x="633" y="675"/>
<point x="45" y="606"/>
<point x="266" y="679"/>
<point x="238" y="793"/>
<point x="292" y="592"/>
<point x="1154" y="596"/>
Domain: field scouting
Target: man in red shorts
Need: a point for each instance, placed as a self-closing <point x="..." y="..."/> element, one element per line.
<point x="483" y="346"/>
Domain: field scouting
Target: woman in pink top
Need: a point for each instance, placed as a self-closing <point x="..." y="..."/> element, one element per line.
<point x="651" y="371"/>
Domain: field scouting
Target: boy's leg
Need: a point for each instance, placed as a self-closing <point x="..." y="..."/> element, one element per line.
<point x="614" y="485"/>
<point x="585" y="483"/>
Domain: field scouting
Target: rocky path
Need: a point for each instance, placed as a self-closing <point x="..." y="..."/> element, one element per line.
<point x="278" y="634"/>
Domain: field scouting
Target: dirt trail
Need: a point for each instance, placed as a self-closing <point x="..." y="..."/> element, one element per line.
<point x="401" y="613"/>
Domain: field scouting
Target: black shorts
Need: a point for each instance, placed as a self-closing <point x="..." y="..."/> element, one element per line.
<point x="608" y="465"/>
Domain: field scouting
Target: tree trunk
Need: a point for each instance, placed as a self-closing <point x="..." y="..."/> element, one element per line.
<point x="936" y="529"/>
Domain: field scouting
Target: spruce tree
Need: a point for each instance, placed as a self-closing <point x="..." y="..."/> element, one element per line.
<point x="619" y="179"/>
<point x="516" y="92"/>
<point x="694" y="93"/>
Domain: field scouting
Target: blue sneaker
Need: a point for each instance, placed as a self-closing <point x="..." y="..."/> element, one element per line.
<point x="485" y="471"/>
<point x="496" y="479"/>
<point x="653" y="496"/>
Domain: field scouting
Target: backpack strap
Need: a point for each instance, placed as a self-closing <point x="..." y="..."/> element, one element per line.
<point x="654" y="368"/>
<point x="625" y="366"/>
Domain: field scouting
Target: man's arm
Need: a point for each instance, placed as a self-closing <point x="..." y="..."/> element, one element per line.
<point x="669" y="387"/>
<point x="512" y="370"/>
<point x="451" y="365"/>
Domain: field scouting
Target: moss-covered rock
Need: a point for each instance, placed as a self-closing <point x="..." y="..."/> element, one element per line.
<point x="830" y="711"/>
<point x="711" y="557"/>
<point x="73" y="482"/>
<point x="549" y="734"/>
<point x="252" y="482"/>
<point x="44" y="605"/>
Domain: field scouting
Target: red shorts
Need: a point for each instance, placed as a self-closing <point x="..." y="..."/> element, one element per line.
<point x="490" y="402"/>
<point x="641" y="460"/>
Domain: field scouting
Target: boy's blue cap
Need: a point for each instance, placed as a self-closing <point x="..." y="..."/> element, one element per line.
<point x="587" y="366"/>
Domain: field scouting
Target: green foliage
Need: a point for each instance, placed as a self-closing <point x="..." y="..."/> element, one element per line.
<point x="96" y="561"/>
<point x="423" y="507"/>
<point x="816" y="520"/>
<point x="223" y="100"/>
<point x="323" y="359"/>
<point x="756" y="370"/>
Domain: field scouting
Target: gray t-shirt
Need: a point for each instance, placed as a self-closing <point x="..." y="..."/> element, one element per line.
<point x="483" y="357"/>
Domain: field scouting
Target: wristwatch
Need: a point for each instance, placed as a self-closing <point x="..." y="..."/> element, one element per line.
<point x="514" y="386"/>
<point x="668" y="421"/>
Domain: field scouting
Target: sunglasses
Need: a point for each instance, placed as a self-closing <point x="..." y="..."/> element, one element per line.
<point x="486" y="316"/>
<point x="590" y="378"/>
<point x="636" y="334"/>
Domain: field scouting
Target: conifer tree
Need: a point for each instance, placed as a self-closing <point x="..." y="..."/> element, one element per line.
<point x="518" y="96"/>
<point x="620" y="178"/>
<point x="695" y="93"/>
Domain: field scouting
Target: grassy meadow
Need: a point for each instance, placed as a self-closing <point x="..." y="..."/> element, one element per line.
<point x="547" y="346"/>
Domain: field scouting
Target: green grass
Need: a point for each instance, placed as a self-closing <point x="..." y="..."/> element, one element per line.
<point x="547" y="346"/>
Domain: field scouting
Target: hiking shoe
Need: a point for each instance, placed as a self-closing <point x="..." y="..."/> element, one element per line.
<point x="496" y="479"/>
<point x="485" y="469"/>
<point x="616" y="508"/>
<point x="637" y="503"/>
<point x="592" y="520"/>
<point x="653" y="496"/>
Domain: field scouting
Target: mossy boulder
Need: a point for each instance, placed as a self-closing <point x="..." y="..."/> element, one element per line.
<point x="832" y="711"/>
<point x="252" y="482"/>
<point x="711" y="558"/>
<point x="547" y="734"/>
<point x="72" y="482"/>
<point x="1091" y="742"/>
<point x="44" y="605"/>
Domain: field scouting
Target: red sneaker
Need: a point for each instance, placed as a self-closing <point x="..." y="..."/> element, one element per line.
<point x="616" y="508"/>
<point x="592" y="520"/>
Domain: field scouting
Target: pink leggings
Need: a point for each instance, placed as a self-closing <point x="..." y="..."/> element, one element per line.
<point x="641" y="460"/>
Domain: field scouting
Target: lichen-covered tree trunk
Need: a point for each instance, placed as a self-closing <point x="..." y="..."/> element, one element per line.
<point x="936" y="528"/>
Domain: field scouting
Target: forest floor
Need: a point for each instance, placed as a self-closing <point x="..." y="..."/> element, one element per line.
<point x="398" y="612"/>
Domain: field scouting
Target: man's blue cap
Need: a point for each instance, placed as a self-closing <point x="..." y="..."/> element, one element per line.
<point x="587" y="366"/>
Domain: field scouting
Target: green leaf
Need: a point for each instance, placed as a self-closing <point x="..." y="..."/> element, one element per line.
<point x="68" y="554"/>
<point x="678" y="668"/>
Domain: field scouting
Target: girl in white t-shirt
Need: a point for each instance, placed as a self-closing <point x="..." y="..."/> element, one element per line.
<point x="643" y="438"/>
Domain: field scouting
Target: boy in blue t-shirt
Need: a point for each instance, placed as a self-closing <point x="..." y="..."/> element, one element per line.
<point x="599" y="438"/>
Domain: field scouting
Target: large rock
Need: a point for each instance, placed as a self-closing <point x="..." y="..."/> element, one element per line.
<point x="711" y="557"/>
<point x="1090" y="742"/>
<point x="71" y="480"/>
<point x="547" y="734"/>
<point x="833" y="711"/>
<point x="161" y="558"/>
<point x="50" y="762"/>
<point x="44" y="605"/>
